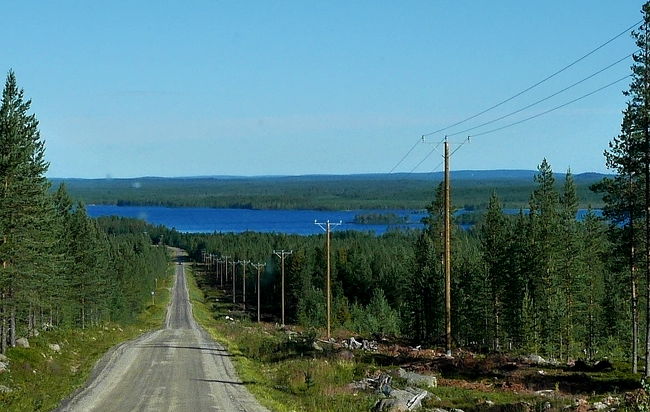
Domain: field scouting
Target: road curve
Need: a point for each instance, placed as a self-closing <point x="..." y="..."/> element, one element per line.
<point x="178" y="368"/>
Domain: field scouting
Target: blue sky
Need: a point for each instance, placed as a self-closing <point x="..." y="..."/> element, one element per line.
<point x="171" y="88"/>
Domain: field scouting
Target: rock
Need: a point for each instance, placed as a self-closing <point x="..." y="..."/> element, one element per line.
<point x="545" y="392"/>
<point x="547" y="405"/>
<point x="535" y="359"/>
<point x="316" y="346"/>
<point x="22" y="343"/>
<point x="3" y="358"/>
<point x="402" y="400"/>
<point x="369" y="345"/>
<point x="353" y="344"/>
<point x="599" y="406"/>
<point x="456" y="410"/>
<point x="413" y="378"/>
<point x="389" y="404"/>
<point x="3" y="367"/>
<point x="54" y="347"/>
<point x="5" y="389"/>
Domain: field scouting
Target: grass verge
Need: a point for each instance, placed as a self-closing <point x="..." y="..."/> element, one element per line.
<point x="39" y="377"/>
<point x="283" y="374"/>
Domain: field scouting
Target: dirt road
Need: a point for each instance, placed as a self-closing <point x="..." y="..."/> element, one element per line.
<point x="178" y="368"/>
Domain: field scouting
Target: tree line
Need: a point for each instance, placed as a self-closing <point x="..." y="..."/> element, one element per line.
<point x="531" y="282"/>
<point x="59" y="267"/>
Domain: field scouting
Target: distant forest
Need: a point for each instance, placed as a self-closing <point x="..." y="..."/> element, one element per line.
<point x="470" y="190"/>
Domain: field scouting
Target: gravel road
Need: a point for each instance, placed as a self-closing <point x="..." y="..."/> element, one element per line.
<point x="178" y="368"/>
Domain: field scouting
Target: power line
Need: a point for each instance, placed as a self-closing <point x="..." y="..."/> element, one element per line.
<point x="544" y="99"/>
<point x="539" y="82"/>
<point x="553" y="109"/>
<point x="405" y="156"/>
<point x="435" y="149"/>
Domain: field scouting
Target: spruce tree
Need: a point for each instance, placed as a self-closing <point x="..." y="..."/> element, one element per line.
<point x="25" y="211"/>
<point x="627" y="196"/>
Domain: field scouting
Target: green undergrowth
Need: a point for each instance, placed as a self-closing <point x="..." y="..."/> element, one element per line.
<point x="39" y="378"/>
<point x="284" y="375"/>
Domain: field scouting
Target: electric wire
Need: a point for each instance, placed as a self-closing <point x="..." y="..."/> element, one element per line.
<point x="543" y="99"/>
<point x="552" y="109"/>
<point x="435" y="148"/>
<point x="519" y="94"/>
<point x="539" y="82"/>
<point x="405" y="156"/>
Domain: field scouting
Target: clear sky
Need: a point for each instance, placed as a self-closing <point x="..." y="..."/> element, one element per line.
<point x="183" y="88"/>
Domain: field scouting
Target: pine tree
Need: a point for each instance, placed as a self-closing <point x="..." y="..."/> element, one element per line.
<point x="543" y="281"/>
<point x="494" y="233"/>
<point x="25" y="211"/>
<point x="629" y="156"/>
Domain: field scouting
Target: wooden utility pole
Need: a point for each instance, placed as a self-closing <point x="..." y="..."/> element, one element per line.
<point x="225" y="266"/>
<point x="281" y="254"/>
<point x="234" y="280"/>
<point x="447" y="258"/>
<point x="327" y="227"/>
<point x="243" y="277"/>
<point x="259" y="267"/>
<point x="219" y="272"/>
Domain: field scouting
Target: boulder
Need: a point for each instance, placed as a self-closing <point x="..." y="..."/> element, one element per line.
<point x="413" y="378"/>
<point x="54" y="347"/>
<point x="535" y="359"/>
<point x="408" y="399"/>
<point x="599" y="406"/>
<point x="3" y="358"/>
<point x="3" y="367"/>
<point x="22" y="343"/>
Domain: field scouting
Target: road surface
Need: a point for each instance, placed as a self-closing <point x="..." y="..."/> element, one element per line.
<point x="178" y="368"/>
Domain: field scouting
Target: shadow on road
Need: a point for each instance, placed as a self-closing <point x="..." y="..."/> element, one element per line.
<point x="226" y="382"/>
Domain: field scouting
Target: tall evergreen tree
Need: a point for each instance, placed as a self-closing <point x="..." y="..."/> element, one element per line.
<point x="629" y="156"/>
<point x="24" y="208"/>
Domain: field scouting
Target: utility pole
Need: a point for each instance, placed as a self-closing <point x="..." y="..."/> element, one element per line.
<point x="219" y="274"/>
<point x="327" y="227"/>
<point x="234" y="279"/>
<point x="447" y="253"/>
<point x="281" y="254"/>
<point x="225" y="266"/>
<point x="244" y="263"/>
<point x="259" y="267"/>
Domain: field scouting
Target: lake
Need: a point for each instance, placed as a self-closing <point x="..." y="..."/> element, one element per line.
<point x="299" y="222"/>
<point x="208" y="220"/>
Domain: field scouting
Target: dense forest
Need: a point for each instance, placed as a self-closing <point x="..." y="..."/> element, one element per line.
<point x="59" y="267"/>
<point x="380" y="191"/>
<point x="534" y="282"/>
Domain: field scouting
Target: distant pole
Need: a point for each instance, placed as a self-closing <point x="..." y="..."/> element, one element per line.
<point x="259" y="267"/>
<point x="244" y="263"/>
<point x="225" y="265"/>
<point x="447" y="253"/>
<point x="327" y="227"/>
<point x="219" y="274"/>
<point x="281" y="254"/>
<point x="234" y="280"/>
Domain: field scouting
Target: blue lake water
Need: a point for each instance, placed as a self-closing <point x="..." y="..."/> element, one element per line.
<point x="207" y="220"/>
<point x="300" y="222"/>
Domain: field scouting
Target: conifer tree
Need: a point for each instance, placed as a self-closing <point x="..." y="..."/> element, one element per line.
<point x="24" y="209"/>
<point x="629" y="157"/>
